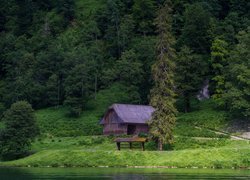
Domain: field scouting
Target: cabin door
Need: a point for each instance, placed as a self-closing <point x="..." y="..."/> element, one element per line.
<point x="131" y="129"/>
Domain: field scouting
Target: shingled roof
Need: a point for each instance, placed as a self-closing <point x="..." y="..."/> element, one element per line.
<point x="129" y="113"/>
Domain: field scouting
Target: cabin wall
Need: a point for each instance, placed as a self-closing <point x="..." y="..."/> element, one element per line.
<point x="112" y="125"/>
<point x="117" y="129"/>
<point x="141" y="128"/>
<point x="114" y="129"/>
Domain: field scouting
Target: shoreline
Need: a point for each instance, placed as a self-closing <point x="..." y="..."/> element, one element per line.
<point x="133" y="167"/>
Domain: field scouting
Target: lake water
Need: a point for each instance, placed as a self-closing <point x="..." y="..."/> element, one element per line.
<point x="119" y="173"/>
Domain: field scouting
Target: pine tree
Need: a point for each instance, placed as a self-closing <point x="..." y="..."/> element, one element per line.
<point x="162" y="94"/>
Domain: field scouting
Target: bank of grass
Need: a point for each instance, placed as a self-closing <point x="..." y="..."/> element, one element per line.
<point x="89" y="151"/>
<point x="225" y="157"/>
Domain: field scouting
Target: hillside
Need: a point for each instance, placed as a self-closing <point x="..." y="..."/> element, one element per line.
<point x="69" y="60"/>
<point x="55" y="122"/>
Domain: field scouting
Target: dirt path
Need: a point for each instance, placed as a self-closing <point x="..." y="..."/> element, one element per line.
<point x="233" y="137"/>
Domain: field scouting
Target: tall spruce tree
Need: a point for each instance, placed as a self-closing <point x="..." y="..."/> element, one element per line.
<point x="162" y="94"/>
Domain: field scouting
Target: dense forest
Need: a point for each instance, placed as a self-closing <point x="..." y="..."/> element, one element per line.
<point x="59" y="53"/>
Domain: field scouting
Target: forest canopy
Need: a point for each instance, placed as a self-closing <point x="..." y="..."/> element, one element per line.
<point x="64" y="52"/>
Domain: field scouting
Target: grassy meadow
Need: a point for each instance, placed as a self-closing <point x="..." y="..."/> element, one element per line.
<point x="77" y="142"/>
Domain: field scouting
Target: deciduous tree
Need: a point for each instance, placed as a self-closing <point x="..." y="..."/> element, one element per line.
<point x="20" y="130"/>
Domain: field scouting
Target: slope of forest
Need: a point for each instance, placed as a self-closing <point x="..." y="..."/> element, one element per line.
<point x="64" y="52"/>
<point x="71" y="59"/>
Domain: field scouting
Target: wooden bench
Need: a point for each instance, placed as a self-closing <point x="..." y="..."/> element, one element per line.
<point x="130" y="141"/>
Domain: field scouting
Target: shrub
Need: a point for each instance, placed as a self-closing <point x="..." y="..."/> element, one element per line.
<point x="20" y="130"/>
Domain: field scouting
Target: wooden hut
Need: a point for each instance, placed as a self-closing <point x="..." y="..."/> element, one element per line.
<point x="126" y="119"/>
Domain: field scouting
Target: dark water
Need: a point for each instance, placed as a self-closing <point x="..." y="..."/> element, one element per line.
<point x="119" y="173"/>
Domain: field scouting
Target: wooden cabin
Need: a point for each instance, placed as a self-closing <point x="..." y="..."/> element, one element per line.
<point x="126" y="119"/>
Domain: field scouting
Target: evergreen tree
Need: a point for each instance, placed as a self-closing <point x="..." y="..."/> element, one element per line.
<point x="219" y="61"/>
<point x="54" y="90"/>
<point x="126" y="30"/>
<point x="78" y="88"/>
<point x="144" y="14"/>
<point x="129" y="72"/>
<point x="146" y="55"/>
<point x="20" y="130"/>
<point x="112" y="31"/>
<point x="162" y="94"/>
<point x="189" y="75"/>
<point x="237" y="95"/>
<point x="195" y="31"/>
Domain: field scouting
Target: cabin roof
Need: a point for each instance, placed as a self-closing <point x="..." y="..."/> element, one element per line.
<point x="129" y="113"/>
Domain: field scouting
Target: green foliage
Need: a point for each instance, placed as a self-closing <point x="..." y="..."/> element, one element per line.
<point x="42" y="42"/>
<point x="190" y="71"/>
<point x="2" y="109"/>
<point x="129" y="72"/>
<point x="68" y="153"/>
<point x="19" y="130"/>
<point x="237" y="81"/>
<point x="219" y="57"/>
<point x="144" y="14"/>
<point x="78" y="86"/>
<point x="162" y="94"/>
<point x="55" y="122"/>
<point x="53" y="90"/>
<point x="195" y="31"/>
<point x="206" y="117"/>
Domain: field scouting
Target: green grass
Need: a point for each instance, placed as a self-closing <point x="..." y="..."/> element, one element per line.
<point x="71" y="153"/>
<point x="86" y="151"/>
<point x="198" y="122"/>
<point x="80" y="142"/>
<point x="193" y="147"/>
<point x="207" y="116"/>
<point x="56" y="122"/>
<point x="106" y="143"/>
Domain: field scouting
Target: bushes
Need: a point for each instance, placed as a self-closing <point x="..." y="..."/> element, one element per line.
<point x="19" y="131"/>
